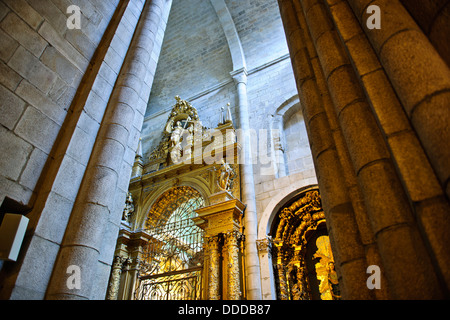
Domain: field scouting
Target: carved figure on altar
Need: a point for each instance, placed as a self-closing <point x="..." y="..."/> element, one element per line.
<point x="129" y="208"/>
<point x="226" y="176"/>
<point x="326" y="272"/>
<point x="176" y="134"/>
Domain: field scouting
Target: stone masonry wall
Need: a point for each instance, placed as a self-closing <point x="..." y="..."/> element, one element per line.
<point x="42" y="63"/>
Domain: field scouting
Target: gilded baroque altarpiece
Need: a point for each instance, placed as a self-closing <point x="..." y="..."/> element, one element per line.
<point x="181" y="235"/>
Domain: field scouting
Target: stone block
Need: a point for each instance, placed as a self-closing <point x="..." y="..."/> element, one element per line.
<point x="401" y="249"/>
<point x="4" y="10"/>
<point x="344" y="19"/>
<point x="38" y="263"/>
<point x="84" y="257"/>
<point x="363" y="138"/>
<point x="119" y="204"/>
<point x="316" y="16"/>
<point x="362" y="54"/>
<point x="11" y="108"/>
<point x="332" y="188"/>
<point x="90" y="219"/>
<point x="320" y="134"/>
<point x="8" y="77"/>
<point x="54" y="218"/>
<point x="344" y="87"/>
<point x="80" y="146"/>
<point x="52" y="14"/>
<point x="41" y="102"/>
<point x="354" y="279"/>
<point x="33" y="169"/>
<point x="95" y="106"/>
<point x="101" y="281"/>
<point x="14" y="154"/>
<point x="54" y="60"/>
<point x="414" y="167"/>
<point x="63" y="46"/>
<point x="8" y="47"/>
<point x="327" y="43"/>
<point x="101" y="187"/>
<point x="346" y="236"/>
<point x="384" y="196"/>
<point x="108" y="244"/>
<point x="37" y="129"/>
<point x="408" y="58"/>
<point x="69" y="170"/>
<point x="102" y="87"/>
<point x="29" y="67"/>
<point x="14" y="190"/>
<point x="108" y="74"/>
<point x="384" y="102"/>
<point x="431" y="120"/>
<point x="109" y="153"/>
<point x="22" y="33"/>
<point x="114" y="60"/>
<point x="310" y="99"/>
<point x="124" y="176"/>
<point x="81" y="42"/>
<point x="26" y="12"/>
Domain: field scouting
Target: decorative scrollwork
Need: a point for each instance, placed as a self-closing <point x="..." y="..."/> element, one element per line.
<point x="297" y="222"/>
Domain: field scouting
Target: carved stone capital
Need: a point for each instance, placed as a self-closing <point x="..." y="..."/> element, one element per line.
<point x="264" y="245"/>
<point x="239" y="76"/>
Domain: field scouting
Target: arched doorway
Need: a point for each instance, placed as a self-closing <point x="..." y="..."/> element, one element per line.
<point x="172" y="258"/>
<point x="301" y="252"/>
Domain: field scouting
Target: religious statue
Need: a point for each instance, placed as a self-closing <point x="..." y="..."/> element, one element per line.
<point x="176" y="134"/>
<point x="226" y="177"/>
<point x="326" y="273"/>
<point x="129" y="208"/>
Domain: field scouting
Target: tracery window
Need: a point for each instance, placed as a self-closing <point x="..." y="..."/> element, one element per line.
<point x="302" y="256"/>
<point x="173" y="257"/>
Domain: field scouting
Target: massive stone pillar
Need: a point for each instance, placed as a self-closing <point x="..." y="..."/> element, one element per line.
<point x="334" y="176"/>
<point x="384" y="167"/>
<point x="102" y="188"/>
<point x="407" y="57"/>
<point x="248" y="189"/>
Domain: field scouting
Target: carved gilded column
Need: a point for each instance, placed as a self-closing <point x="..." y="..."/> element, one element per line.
<point x="222" y="218"/>
<point x="283" y="295"/>
<point x="232" y="240"/>
<point x="114" y="282"/>
<point x="213" y="268"/>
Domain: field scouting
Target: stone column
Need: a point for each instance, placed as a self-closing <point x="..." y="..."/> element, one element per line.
<point x="96" y="205"/>
<point x="419" y="75"/>
<point x="268" y="290"/>
<point x="336" y="197"/>
<point x="413" y="166"/>
<point x="213" y="268"/>
<point x="248" y="189"/>
<point x="396" y="231"/>
<point x="232" y="240"/>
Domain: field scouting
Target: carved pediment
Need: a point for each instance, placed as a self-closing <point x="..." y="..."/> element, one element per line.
<point x="182" y="131"/>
